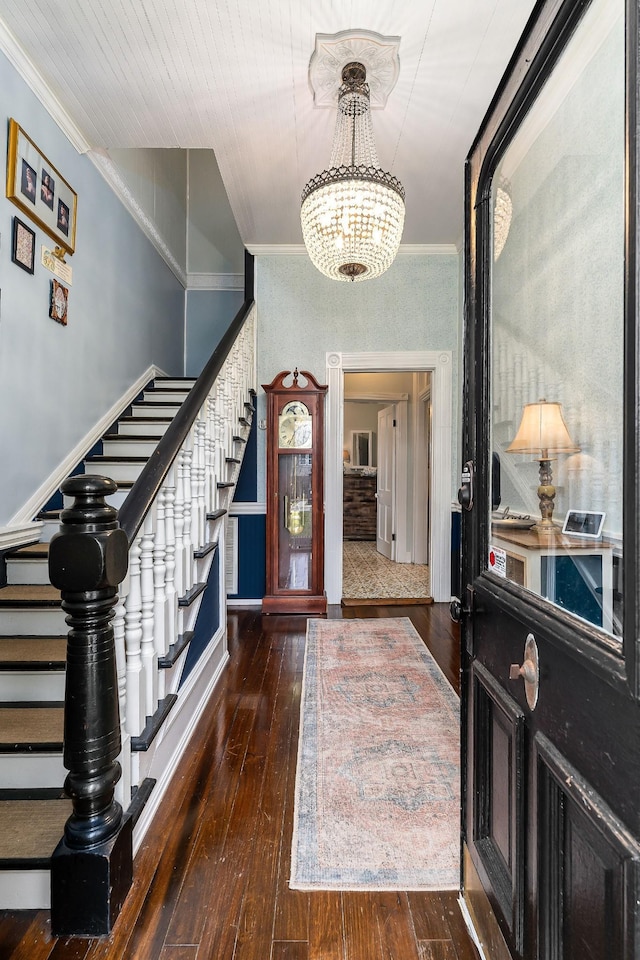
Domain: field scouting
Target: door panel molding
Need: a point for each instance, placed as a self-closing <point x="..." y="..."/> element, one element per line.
<point x="497" y="794"/>
<point x="583" y="850"/>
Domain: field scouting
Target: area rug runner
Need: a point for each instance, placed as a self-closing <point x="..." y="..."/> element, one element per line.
<point x="377" y="803"/>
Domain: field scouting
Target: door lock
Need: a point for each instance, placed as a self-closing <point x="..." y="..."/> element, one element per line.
<point x="465" y="493"/>
<point x="529" y="671"/>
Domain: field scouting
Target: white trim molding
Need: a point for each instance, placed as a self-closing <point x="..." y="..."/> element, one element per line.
<point x="25" y="514"/>
<point x="406" y="249"/>
<point x="215" y="281"/>
<point x="246" y="508"/>
<point x="17" y="56"/>
<point x="439" y="364"/>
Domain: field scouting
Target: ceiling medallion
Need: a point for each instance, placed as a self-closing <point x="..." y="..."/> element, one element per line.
<point x="353" y="213"/>
<point x="377" y="54"/>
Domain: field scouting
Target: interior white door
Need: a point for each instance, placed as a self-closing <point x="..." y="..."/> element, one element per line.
<point x="386" y="481"/>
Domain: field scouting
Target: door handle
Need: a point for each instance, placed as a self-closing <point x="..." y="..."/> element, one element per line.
<point x="529" y="671"/>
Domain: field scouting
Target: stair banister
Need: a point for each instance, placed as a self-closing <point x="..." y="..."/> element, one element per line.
<point x="162" y="523"/>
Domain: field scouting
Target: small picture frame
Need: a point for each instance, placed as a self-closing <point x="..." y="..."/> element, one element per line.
<point x="23" y="245"/>
<point x="584" y="523"/>
<point x="39" y="190"/>
<point x="59" y="302"/>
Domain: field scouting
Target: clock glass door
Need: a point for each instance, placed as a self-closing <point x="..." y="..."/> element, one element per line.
<point x="295" y="521"/>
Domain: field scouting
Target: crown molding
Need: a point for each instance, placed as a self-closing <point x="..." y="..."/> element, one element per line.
<point x="103" y="162"/>
<point x="428" y="250"/>
<point x="299" y="249"/>
<point x="18" y="58"/>
<point x="215" y="281"/>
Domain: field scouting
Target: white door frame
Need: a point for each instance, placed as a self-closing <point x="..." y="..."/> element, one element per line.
<point x="438" y="363"/>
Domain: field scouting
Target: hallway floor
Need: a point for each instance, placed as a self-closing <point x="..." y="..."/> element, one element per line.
<point x="367" y="575"/>
<point x="211" y="875"/>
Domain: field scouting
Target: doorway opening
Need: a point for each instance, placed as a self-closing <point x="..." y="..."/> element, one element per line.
<point x="433" y="469"/>
<point x="385" y="486"/>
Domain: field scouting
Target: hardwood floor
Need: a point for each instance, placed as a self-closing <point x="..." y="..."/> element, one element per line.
<point x="211" y="875"/>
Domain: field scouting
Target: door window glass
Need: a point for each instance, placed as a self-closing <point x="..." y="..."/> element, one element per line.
<point x="557" y="310"/>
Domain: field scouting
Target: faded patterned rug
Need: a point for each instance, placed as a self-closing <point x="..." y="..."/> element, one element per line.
<point x="377" y="803"/>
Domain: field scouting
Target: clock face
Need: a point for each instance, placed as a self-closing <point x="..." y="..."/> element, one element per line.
<point x="294" y="426"/>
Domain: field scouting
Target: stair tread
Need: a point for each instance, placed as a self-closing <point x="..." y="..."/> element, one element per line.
<point x="32" y="651"/>
<point x="129" y="437"/>
<point x="110" y="458"/>
<point x="144" y="420"/>
<point x="31" y="727"/>
<point x="31" y="551"/>
<point x="31" y="829"/>
<point x="26" y="593"/>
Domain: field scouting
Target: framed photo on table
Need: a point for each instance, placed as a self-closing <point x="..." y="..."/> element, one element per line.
<point x="39" y="190"/>
<point x="23" y="245"/>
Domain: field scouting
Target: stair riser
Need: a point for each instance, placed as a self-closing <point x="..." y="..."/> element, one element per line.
<point x="174" y="384"/>
<point x="129" y="448"/>
<point x="23" y="771"/>
<point x="157" y="410"/>
<point x="167" y="395"/>
<point x="28" y="571"/>
<point x="136" y="429"/>
<point x="32" y="685"/>
<point x="25" y="890"/>
<point x="33" y="622"/>
<point x="117" y="471"/>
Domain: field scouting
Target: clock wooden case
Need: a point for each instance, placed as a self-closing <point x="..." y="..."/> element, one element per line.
<point x="295" y="502"/>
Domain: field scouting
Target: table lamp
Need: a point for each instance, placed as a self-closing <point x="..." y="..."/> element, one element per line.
<point x="542" y="431"/>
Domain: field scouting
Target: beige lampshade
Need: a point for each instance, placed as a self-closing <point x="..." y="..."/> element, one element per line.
<point x="542" y="431"/>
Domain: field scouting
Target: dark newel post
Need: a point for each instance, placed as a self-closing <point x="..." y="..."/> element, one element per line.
<point x="91" y="869"/>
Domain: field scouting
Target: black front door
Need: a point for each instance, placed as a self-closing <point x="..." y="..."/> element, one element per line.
<point x="550" y="543"/>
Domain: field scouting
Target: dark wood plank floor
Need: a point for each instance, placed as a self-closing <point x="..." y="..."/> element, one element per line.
<point x="211" y="875"/>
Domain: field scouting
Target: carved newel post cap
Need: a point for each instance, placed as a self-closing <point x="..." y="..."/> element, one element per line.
<point x="90" y="552"/>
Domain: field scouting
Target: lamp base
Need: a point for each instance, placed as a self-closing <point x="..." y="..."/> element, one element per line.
<point x="545" y="529"/>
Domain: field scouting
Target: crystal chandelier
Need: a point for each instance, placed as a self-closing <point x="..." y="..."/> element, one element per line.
<point x="352" y="214"/>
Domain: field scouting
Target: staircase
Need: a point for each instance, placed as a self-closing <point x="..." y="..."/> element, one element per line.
<point x="33" y="808"/>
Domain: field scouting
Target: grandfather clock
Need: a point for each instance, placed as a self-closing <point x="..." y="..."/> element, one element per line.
<point x="295" y="503"/>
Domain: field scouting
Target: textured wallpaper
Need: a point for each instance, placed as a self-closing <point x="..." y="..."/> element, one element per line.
<point x="302" y="315"/>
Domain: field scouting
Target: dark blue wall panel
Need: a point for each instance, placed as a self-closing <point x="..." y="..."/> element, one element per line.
<point x="247" y="486"/>
<point x="252" y="529"/>
<point x="208" y="620"/>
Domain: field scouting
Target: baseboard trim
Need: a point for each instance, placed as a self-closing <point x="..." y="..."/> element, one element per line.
<point x="241" y="602"/>
<point x="28" y="511"/>
<point x="189" y="691"/>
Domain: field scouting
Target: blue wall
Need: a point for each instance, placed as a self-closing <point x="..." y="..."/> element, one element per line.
<point x="209" y="314"/>
<point x="126" y="311"/>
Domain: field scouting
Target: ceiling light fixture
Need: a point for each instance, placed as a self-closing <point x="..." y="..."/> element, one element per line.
<point x="353" y="213"/>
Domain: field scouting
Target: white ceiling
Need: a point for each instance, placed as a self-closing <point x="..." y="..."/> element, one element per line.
<point x="232" y="75"/>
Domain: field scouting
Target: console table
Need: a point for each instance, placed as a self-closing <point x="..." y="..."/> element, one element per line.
<point x="574" y="572"/>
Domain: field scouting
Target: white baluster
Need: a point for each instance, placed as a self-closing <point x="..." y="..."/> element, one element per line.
<point x="200" y="480"/>
<point x="171" y="593"/>
<point x="179" y="525"/>
<point x="133" y="636"/>
<point x="148" y="654"/>
<point x="159" y="576"/>
<point x="188" y="509"/>
<point x="123" y="787"/>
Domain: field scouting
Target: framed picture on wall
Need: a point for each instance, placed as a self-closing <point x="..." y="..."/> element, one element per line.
<point x="23" y="245"/>
<point x="39" y="190"/>
<point x="59" y="302"/>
